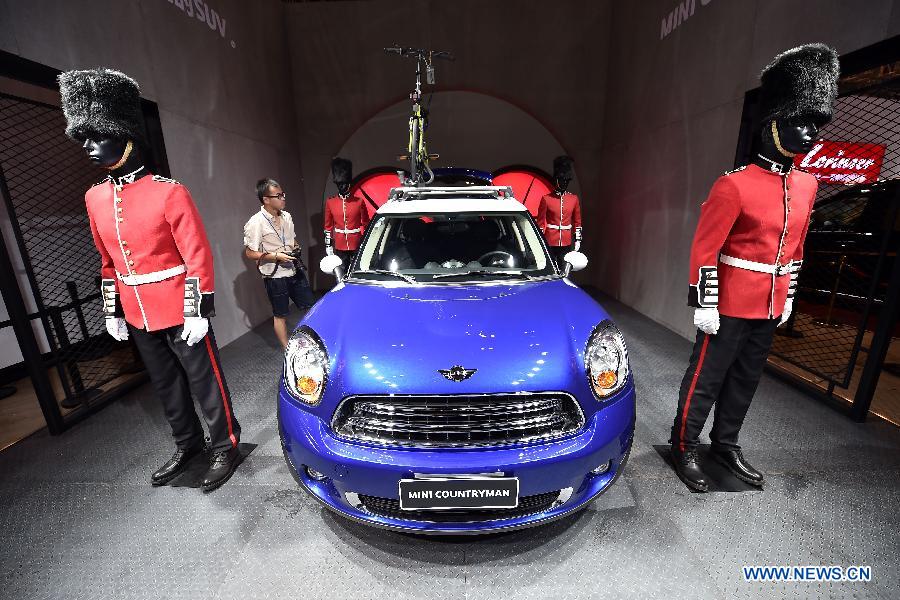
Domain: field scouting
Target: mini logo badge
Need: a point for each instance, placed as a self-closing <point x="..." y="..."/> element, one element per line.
<point x="457" y="373"/>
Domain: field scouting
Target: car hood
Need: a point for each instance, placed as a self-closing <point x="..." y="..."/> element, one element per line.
<point x="396" y="339"/>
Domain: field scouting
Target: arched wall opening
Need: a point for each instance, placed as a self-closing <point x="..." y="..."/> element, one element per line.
<point x="468" y="129"/>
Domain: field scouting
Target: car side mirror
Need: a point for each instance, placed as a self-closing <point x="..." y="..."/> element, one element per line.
<point x="575" y="261"/>
<point x="329" y="263"/>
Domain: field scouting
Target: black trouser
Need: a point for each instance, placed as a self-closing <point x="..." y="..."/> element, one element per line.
<point x="281" y="290"/>
<point x="178" y="371"/>
<point x="558" y="253"/>
<point x="724" y="370"/>
<point x="346" y="258"/>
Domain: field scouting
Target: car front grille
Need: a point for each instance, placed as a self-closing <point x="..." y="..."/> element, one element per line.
<point x="528" y="505"/>
<point x="458" y="420"/>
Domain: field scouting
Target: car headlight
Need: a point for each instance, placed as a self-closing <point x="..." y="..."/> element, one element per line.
<point x="606" y="360"/>
<point x="305" y="362"/>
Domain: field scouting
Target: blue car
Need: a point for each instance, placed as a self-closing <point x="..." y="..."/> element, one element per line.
<point x="455" y="380"/>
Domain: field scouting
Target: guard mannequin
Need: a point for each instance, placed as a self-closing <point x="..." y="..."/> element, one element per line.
<point x="745" y="258"/>
<point x="562" y="228"/>
<point x="346" y="216"/>
<point x="156" y="269"/>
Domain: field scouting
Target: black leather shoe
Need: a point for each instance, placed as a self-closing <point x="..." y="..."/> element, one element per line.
<point x="733" y="460"/>
<point x="687" y="465"/>
<point x="176" y="465"/>
<point x="221" y="466"/>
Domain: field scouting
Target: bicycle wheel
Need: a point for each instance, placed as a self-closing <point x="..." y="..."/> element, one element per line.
<point x="414" y="150"/>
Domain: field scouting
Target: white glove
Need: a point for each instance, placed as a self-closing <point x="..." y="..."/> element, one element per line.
<point x="788" y="308"/>
<point x="707" y="320"/>
<point x="117" y="328"/>
<point x="577" y="246"/>
<point x="195" y="329"/>
<point x="329" y="250"/>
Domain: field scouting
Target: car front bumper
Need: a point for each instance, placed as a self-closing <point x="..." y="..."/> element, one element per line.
<point x="353" y="470"/>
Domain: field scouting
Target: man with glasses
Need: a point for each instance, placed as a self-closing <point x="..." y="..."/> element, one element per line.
<point x="269" y="240"/>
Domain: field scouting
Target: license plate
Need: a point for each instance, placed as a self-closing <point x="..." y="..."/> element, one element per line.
<point x="444" y="493"/>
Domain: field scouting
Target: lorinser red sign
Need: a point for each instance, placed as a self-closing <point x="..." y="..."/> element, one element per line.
<point x="845" y="163"/>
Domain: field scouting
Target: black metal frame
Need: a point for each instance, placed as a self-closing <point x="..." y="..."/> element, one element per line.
<point x="885" y="52"/>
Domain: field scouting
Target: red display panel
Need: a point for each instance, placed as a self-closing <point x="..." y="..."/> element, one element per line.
<point x="375" y="188"/>
<point x="528" y="186"/>
<point x="846" y="163"/>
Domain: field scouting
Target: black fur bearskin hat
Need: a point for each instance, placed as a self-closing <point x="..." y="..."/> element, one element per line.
<point x="800" y="82"/>
<point x="562" y="168"/>
<point x="341" y="170"/>
<point x="101" y="101"/>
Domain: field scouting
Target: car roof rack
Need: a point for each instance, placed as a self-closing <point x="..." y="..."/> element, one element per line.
<point x="401" y="194"/>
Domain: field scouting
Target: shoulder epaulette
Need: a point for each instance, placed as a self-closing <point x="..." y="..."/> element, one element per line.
<point x="734" y="170"/>
<point x="165" y="179"/>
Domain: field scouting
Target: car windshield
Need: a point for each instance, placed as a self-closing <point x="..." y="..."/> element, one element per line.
<point x="452" y="247"/>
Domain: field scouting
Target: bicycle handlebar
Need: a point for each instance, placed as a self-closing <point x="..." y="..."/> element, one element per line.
<point x="420" y="53"/>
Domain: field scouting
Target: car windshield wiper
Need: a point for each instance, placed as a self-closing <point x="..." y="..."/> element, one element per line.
<point x="480" y="272"/>
<point x="406" y="278"/>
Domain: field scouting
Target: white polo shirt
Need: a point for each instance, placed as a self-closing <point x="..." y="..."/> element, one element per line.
<point x="265" y="233"/>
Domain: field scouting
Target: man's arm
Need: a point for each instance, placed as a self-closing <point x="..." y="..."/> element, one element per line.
<point x="266" y="256"/>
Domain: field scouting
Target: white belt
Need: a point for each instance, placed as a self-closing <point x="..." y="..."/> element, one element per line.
<point x="559" y="226"/>
<point x="758" y="267"/>
<point x="153" y="277"/>
<point x="357" y="230"/>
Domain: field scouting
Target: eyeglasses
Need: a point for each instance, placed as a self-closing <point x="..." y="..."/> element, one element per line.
<point x="281" y="195"/>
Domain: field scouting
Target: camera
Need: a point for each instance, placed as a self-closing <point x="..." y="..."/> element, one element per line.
<point x="296" y="258"/>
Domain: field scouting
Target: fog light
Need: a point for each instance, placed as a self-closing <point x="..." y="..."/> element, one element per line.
<point x="602" y="468"/>
<point x="607" y="379"/>
<point x="307" y="385"/>
<point x="315" y="474"/>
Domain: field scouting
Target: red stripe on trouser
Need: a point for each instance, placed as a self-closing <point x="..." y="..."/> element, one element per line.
<point x="215" y="366"/>
<point x="687" y="401"/>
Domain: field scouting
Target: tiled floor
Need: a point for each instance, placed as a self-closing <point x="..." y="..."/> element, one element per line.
<point x="79" y="520"/>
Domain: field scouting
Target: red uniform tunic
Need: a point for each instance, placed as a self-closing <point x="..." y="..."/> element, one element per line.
<point x="345" y="222"/>
<point x="563" y="215"/>
<point x="760" y="218"/>
<point x="152" y="243"/>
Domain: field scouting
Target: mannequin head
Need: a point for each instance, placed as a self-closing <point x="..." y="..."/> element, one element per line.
<point x="782" y="139"/>
<point x="343" y="187"/>
<point x="795" y="135"/>
<point x="797" y="94"/>
<point x="105" y="152"/>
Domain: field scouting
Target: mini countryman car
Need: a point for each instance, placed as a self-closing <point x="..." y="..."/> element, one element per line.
<point x="455" y="380"/>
